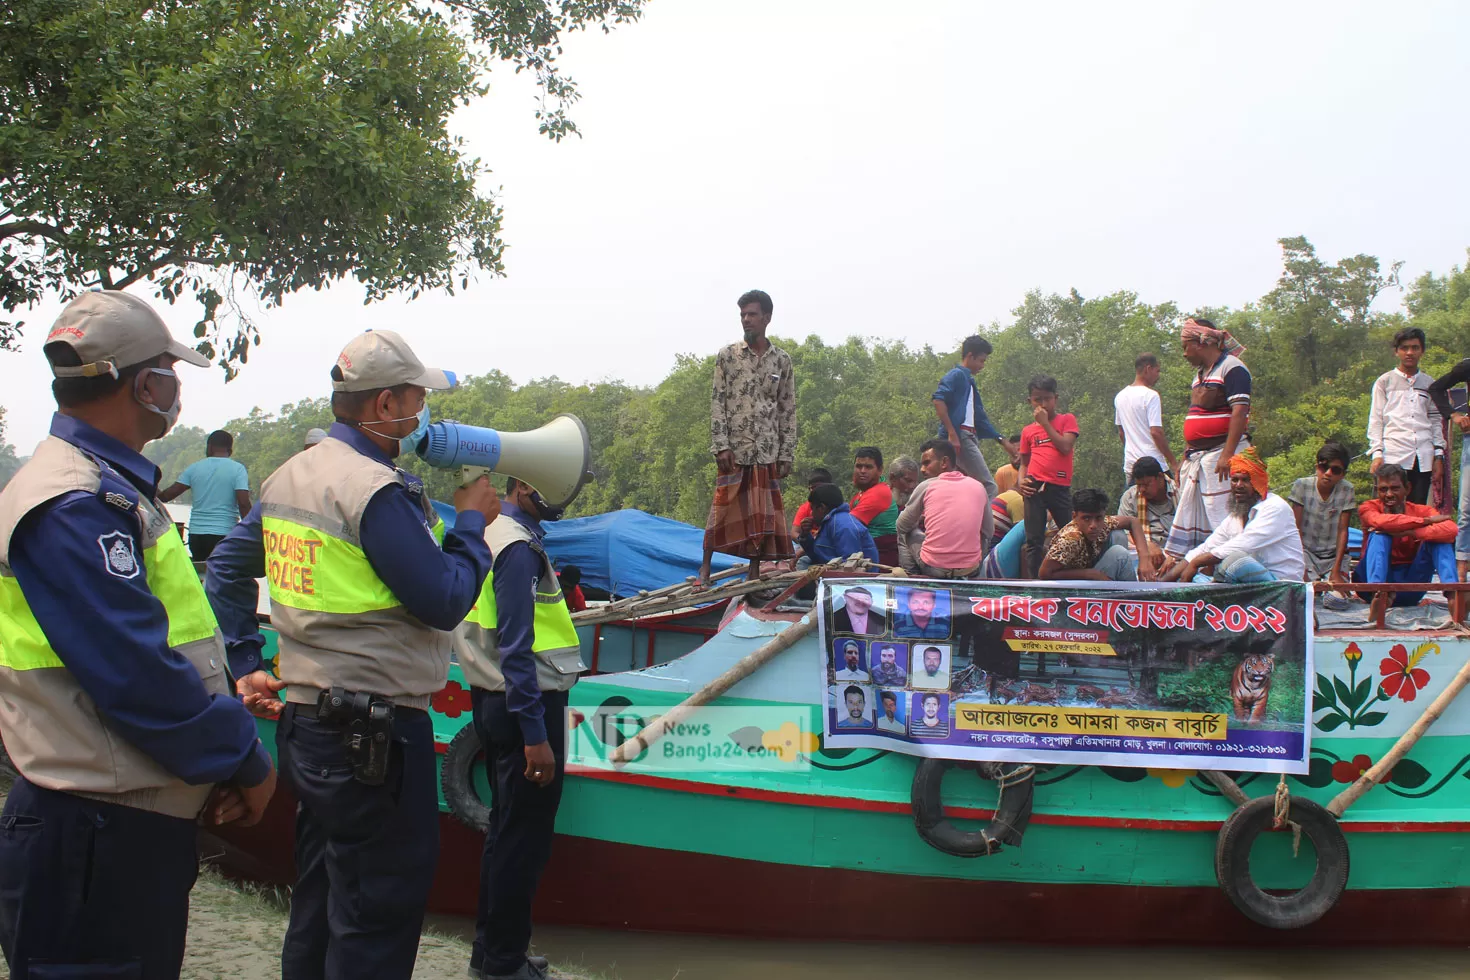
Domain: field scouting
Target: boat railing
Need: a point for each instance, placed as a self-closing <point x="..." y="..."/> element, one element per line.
<point x="1383" y="591"/>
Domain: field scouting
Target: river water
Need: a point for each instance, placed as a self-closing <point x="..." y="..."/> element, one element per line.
<point x="655" y="956"/>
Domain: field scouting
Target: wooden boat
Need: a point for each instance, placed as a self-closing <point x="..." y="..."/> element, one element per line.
<point x="829" y="850"/>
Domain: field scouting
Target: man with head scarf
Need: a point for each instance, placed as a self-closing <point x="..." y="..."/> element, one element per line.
<point x="1256" y="542"/>
<point x="1214" y="431"/>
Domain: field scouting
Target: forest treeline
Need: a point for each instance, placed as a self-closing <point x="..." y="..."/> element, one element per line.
<point x="1315" y="346"/>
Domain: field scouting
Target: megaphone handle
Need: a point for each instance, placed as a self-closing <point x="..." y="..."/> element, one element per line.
<point x="469" y="474"/>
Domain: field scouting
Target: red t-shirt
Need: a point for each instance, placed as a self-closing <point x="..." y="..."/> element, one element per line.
<point x="802" y="513"/>
<point x="1046" y="464"/>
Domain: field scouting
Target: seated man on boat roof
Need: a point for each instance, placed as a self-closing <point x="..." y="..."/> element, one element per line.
<point x="838" y="535"/>
<point x="1083" y="548"/>
<point x="950" y="507"/>
<point x="1403" y="541"/>
<point x="1256" y="542"/>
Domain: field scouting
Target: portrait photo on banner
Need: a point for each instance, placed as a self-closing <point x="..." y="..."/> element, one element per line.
<point x="921" y="612"/>
<point x="851" y="706"/>
<point x="889" y="663"/>
<point x="862" y="609"/>
<point x="849" y="660"/>
<point x="930" y="718"/>
<point x="930" y="667"/>
<point x="891" y="711"/>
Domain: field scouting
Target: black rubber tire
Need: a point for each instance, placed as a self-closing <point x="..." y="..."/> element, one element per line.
<point x="457" y="777"/>
<point x="1302" y="907"/>
<point x="1007" y="826"/>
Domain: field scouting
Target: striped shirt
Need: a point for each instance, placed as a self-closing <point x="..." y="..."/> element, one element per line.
<point x="1215" y="392"/>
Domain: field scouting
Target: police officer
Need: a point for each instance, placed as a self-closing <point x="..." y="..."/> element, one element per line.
<point x="114" y="702"/>
<point x="520" y="653"/>
<point x="363" y="595"/>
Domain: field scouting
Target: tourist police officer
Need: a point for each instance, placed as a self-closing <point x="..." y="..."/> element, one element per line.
<point x="363" y="595"/>
<point x="520" y="653"/>
<point x="114" y="702"/>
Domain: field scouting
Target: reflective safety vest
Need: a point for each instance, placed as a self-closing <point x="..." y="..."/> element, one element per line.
<point x="339" y="624"/>
<point x="556" y="647"/>
<point x="51" y="727"/>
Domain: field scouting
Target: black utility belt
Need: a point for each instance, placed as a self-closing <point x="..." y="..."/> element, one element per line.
<point x="366" y="720"/>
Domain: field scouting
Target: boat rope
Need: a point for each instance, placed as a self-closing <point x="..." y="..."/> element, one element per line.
<point x="1282" y="816"/>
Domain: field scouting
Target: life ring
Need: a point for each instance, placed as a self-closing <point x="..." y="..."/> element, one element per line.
<point x="1301" y="907"/>
<point x="1012" y="809"/>
<point x="457" y="778"/>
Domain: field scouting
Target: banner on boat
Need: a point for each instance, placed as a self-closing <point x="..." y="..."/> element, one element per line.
<point x="1188" y="677"/>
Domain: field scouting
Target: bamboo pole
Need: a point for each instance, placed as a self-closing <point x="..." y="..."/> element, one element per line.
<point x="1401" y="748"/>
<point x="1227" y="786"/>
<point x="742" y="669"/>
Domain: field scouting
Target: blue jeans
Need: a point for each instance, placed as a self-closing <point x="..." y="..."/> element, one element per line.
<point x="1238" y="569"/>
<point x="1462" y="540"/>
<point x="1432" y="557"/>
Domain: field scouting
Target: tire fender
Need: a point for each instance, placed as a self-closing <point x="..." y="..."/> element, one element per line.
<point x="1012" y="812"/>
<point x="457" y="778"/>
<point x="1304" y="906"/>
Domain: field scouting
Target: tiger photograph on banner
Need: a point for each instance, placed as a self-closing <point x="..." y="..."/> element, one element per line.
<point x="1191" y="676"/>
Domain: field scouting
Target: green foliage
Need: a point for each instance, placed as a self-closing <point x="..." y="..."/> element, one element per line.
<point x="280" y="143"/>
<point x="9" y="462"/>
<point x="175" y="451"/>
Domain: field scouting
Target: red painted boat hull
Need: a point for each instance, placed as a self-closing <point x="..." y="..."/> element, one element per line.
<point x="600" y="884"/>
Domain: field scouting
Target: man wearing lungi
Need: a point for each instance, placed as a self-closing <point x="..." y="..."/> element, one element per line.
<point x="1214" y="431"/>
<point x="753" y="438"/>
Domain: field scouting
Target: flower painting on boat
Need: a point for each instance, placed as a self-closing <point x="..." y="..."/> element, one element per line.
<point x="1351" y="698"/>
<point x="1169" y="680"/>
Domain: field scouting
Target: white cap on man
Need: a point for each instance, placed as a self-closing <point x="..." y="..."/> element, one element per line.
<point x="110" y="330"/>
<point x="382" y="359"/>
<point x="314" y="436"/>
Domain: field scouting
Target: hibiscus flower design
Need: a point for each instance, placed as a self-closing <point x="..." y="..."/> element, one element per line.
<point x="453" y="701"/>
<point x="788" y="741"/>
<point x="1172" y="778"/>
<point x="1348" y="771"/>
<point x="1402" y="677"/>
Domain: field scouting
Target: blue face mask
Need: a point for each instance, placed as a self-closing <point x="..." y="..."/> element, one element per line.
<point x="410" y="442"/>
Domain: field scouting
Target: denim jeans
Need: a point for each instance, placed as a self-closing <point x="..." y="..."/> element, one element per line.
<point x="1241" y="569"/>
<point x="1432" y="557"/>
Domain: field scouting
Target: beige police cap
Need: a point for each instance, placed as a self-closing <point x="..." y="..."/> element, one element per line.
<point x="382" y="359"/>
<point x="111" y="330"/>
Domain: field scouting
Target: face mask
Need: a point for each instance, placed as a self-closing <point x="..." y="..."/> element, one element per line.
<point x="171" y="414"/>
<point x="409" y="442"/>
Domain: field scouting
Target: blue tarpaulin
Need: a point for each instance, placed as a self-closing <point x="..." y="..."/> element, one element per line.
<point x="626" y="551"/>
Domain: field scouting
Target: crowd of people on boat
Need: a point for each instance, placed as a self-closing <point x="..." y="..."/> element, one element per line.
<point x="1207" y="513"/>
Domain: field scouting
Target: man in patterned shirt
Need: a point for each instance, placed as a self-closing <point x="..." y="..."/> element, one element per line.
<point x="753" y="438"/>
<point x="1083" y="549"/>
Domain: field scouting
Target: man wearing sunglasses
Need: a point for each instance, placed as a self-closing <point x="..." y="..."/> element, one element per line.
<point x="1323" y="506"/>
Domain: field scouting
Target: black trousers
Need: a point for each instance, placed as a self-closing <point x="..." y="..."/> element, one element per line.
<point x="1419" y="483"/>
<point x="522" y="823"/>
<point x="1050" y="498"/>
<point x="365" y="855"/>
<point x="91" y="889"/>
<point x="201" y="546"/>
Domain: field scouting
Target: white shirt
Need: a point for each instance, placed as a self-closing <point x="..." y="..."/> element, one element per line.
<point x="854" y="675"/>
<point x="969" y="421"/>
<point x="1403" y="424"/>
<point x="1135" y="410"/>
<point x="887" y="725"/>
<point x="1269" y="535"/>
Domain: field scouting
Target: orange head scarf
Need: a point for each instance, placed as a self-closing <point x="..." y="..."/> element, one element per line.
<point x="1249" y="463"/>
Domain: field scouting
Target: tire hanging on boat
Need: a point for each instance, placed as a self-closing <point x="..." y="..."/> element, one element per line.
<point x="457" y="778"/>
<point x="1012" y="809"/>
<point x="1301" y="907"/>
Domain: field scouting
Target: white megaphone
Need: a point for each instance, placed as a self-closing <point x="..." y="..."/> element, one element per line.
<point x="555" y="460"/>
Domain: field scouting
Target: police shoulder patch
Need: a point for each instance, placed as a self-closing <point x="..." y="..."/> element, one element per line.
<point x="118" y="554"/>
<point x="118" y="500"/>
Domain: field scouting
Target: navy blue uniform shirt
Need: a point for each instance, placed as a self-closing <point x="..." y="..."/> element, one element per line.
<point x="111" y="632"/>
<point x="518" y="569"/>
<point x="437" y="586"/>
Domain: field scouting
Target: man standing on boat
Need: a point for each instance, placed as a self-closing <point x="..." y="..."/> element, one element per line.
<point x="114" y="703"/>
<point x="520" y="653"/>
<point x="753" y="438"/>
<point x="363" y="596"/>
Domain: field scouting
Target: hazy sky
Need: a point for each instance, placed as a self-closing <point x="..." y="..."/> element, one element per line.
<point x="906" y="178"/>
